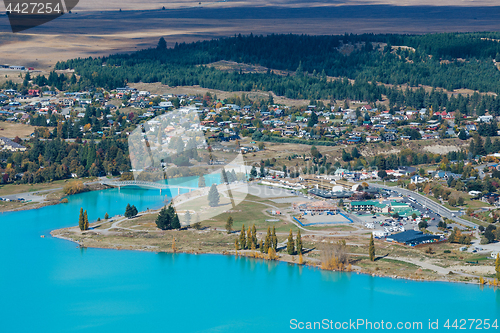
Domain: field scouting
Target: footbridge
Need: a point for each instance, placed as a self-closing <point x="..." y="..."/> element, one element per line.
<point x="145" y="184"/>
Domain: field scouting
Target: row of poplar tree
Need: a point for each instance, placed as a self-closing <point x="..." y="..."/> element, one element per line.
<point x="248" y="240"/>
<point x="83" y="221"/>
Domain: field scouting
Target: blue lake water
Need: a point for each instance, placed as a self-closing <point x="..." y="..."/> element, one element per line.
<point x="51" y="285"/>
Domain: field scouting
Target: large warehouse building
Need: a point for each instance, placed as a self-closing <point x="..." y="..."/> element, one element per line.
<point x="412" y="237"/>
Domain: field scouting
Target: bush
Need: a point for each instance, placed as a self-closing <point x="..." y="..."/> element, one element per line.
<point x="447" y="251"/>
<point x="442" y="224"/>
<point x="74" y="188"/>
<point x="127" y="176"/>
<point x="490" y="237"/>
<point x="422" y="225"/>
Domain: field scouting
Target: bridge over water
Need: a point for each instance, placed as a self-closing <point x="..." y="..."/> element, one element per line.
<point x="145" y="184"/>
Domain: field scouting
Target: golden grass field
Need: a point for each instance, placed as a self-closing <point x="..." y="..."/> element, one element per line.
<point x="11" y="130"/>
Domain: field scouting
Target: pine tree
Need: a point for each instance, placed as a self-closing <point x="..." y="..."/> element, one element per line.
<point x="173" y="217"/>
<point x="298" y="241"/>
<point x="261" y="246"/>
<point x="274" y="240"/>
<point x="236" y="246"/>
<point x="462" y="135"/>
<point x="497" y="266"/>
<point x="253" y="172"/>
<point x="488" y="147"/>
<point x="229" y="225"/>
<point x="201" y="182"/>
<point x="371" y="249"/>
<point x="163" y="220"/>
<point x="171" y="211"/>
<point x="213" y="196"/>
<point x="133" y="211"/>
<point x="478" y="143"/>
<point x="313" y="119"/>
<point x="243" y="241"/>
<point x="176" y="224"/>
<point x="106" y="216"/>
<point x="128" y="211"/>
<point x="472" y="149"/>
<point x="290" y="245"/>
<point x="81" y="220"/>
<point x="223" y="176"/>
<point x="162" y="44"/>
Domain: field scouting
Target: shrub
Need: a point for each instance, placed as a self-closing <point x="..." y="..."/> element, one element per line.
<point x="422" y="225"/>
<point x="127" y="176"/>
<point x="74" y="188"/>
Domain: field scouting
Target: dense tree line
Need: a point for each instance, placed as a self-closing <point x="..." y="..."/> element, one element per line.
<point x="48" y="160"/>
<point x="449" y="61"/>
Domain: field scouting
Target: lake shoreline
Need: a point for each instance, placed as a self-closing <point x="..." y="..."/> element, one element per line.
<point x="255" y="255"/>
<point x="55" y="201"/>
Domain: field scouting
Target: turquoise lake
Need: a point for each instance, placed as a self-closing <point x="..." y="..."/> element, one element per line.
<point x="52" y="285"/>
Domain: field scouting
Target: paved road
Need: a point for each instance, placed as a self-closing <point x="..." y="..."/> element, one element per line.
<point x="440" y="209"/>
<point x="33" y="196"/>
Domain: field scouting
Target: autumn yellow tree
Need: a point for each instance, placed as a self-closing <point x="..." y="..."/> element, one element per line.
<point x="250" y="243"/>
<point x="427" y="188"/>
<point x="497" y="266"/>
<point x="301" y="259"/>
<point x="87" y="127"/>
<point x="243" y="240"/>
<point x="272" y="254"/>
<point x="334" y="256"/>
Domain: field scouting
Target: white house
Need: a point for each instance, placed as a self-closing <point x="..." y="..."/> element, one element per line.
<point x="485" y="119"/>
<point x="417" y="179"/>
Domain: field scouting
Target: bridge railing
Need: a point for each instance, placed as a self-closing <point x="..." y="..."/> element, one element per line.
<point x="145" y="184"/>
